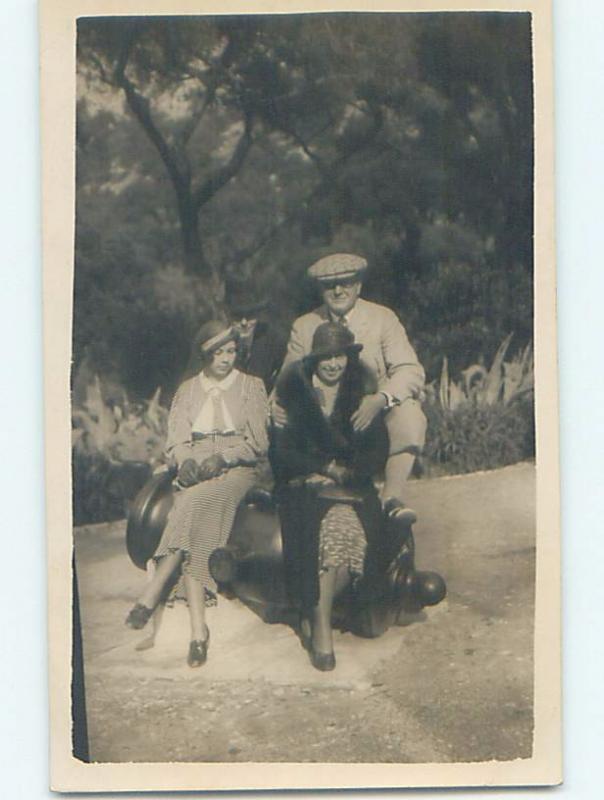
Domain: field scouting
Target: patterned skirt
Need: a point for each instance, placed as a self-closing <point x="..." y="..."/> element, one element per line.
<point x="342" y="540"/>
<point x="202" y="515"/>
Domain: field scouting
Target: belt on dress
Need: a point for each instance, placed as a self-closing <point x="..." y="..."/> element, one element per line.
<point x="197" y="436"/>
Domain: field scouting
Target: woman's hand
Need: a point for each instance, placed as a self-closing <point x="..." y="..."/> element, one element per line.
<point x="339" y="474"/>
<point x="370" y="407"/>
<point x="188" y="473"/>
<point x="211" y="467"/>
<point x="316" y="479"/>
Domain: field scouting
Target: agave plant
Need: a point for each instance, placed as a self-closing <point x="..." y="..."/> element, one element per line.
<point x="518" y="375"/>
<point x="451" y="395"/>
<point x="119" y="433"/>
<point x="504" y="382"/>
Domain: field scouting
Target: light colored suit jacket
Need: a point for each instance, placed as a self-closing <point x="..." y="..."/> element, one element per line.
<point x="386" y="349"/>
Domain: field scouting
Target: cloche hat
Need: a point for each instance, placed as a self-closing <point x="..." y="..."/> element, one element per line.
<point x="332" y="339"/>
<point x="213" y="334"/>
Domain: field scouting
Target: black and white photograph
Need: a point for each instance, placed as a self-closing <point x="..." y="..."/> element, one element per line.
<point x="305" y="463"/>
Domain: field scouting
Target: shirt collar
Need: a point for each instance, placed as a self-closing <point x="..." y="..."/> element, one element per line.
<point x="347" y="317"/>
<point x="208" y="383"/>
<point x="318" y="384"/>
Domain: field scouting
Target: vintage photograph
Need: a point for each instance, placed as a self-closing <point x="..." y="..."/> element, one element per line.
<point x="302" y="389"/>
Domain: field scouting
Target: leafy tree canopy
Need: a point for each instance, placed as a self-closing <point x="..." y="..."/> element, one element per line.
<point x="220" y="151"/>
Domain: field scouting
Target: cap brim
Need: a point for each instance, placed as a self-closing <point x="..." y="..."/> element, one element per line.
<point x="340" y="276"/>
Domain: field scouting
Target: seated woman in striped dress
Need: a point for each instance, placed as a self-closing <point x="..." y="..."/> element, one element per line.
<point x="328" y="504"/>
<point x="217" y="433"/>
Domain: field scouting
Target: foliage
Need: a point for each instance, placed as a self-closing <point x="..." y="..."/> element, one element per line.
<point x="221" y="149"/>
<point x="484" y="421"/>
<point x="115" y="445"/>
<point x="503" y="383"/>
<point x="102" y="490"/>
<point x="474" y="437"/>
<point x="232" y="151"/>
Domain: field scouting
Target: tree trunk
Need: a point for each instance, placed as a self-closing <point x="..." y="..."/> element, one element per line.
<point x="193" y="255"/>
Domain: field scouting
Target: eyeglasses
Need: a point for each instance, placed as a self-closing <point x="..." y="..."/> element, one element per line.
<point x="344" y="283"/>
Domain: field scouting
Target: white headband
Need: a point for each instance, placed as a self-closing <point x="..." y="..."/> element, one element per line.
<point x="219" y="338"/>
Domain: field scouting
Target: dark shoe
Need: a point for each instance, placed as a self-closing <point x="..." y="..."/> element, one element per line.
<point x="398" y="512"/>
<point x="305" y="635"/>
<point x="139" y="616"/>
<point x="198" y="652"/>
<point x="322" y="661"/>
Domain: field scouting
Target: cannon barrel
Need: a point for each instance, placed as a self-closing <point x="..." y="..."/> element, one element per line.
<point x="250" y="565"/>
<point x="148" y="516"/>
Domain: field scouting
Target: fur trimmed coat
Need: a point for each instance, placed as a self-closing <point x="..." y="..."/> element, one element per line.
<point x="308" y="443"/>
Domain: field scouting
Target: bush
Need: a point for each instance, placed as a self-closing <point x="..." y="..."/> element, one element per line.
<point x="484" y="421"/>
<point x="115" y="446"/>
<point x="102" y="489"/>
<point x="473" y="437"/>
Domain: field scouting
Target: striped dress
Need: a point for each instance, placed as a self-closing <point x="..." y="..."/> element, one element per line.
<point x="202" y="515"/>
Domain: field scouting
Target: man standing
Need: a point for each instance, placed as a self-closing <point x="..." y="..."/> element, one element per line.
<point x="388" y="354"/>
<point x="262" y="340"/>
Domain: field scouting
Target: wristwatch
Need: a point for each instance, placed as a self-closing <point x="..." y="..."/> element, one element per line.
<point x="391" y="401"/>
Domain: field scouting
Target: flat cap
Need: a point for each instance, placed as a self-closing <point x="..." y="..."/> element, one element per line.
<point x="338" y="265"/>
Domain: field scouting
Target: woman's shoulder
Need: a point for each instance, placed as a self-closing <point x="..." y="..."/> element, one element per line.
<point x="185" y="388"/>
<point x="251" y="383"/>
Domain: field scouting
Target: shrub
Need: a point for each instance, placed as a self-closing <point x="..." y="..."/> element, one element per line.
<point x="115" y="446"/>
<point x="103" y="489"/>
<point x="484" y="421"/>
<point x="473" y="437"/>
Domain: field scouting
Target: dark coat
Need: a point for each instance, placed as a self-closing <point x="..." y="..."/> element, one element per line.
<point x="306" y="445"/>
<point x="265" y="356"/>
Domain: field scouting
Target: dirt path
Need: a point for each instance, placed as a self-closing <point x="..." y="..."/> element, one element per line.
<point x="455" y="685"/>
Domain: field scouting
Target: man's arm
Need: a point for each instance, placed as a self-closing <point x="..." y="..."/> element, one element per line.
<point x="295" y="345"/>
<point x="295" y="351"/>
<point x="405" y="375"/>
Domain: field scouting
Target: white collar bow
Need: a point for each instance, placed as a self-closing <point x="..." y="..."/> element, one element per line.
<point x="213" y="408"/>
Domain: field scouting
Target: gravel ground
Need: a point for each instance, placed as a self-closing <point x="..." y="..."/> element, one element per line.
<point x="455" y="685"/>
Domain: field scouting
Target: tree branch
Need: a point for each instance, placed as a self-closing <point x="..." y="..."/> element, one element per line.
<point x="328" y="173"/>
<point x="141" y="108"/>
<point x="303" y="145"/>
<point x="211" y="80"/>
<point x="100" y="67"/>
<point x="191" y="124"/>
<point x="365" y="140"/>
<point x="245" y="253"/>
<point x="227" y="172"/>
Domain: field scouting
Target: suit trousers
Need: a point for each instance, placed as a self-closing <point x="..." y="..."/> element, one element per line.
<point x="406" y="426"/>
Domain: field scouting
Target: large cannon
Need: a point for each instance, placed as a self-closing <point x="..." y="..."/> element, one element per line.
<point x="250" y="566"/>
